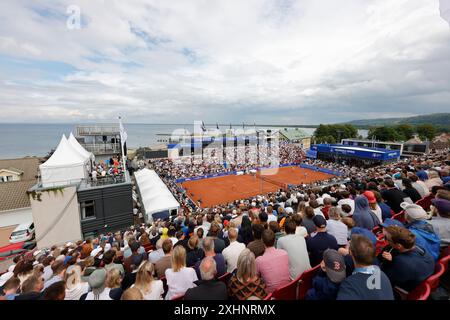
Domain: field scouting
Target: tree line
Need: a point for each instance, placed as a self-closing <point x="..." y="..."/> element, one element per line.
<point x="333" y="133"/>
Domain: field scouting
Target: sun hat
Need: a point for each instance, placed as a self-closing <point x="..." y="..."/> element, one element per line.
<point x="414" y="211"/>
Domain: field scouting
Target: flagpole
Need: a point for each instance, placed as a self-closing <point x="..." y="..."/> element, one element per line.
<point x="122" y="144"/>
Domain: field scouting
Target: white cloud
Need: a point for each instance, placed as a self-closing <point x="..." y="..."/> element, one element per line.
<point x="229" y="60"/>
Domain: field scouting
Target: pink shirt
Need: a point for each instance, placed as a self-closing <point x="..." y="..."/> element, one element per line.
<point x="273" y="267"/>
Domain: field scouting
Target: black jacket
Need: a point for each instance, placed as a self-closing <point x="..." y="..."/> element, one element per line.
<point x="207" y="290"/>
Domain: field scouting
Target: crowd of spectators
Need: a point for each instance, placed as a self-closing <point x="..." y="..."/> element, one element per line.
<point x="261" y="243"/>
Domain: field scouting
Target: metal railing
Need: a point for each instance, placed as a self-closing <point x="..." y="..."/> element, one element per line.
<point x="100" y="129"/>
<point x="102" y="148"/>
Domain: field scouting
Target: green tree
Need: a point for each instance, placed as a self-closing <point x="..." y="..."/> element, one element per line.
<point x="384" y="133"/>
<point x="406" y="131"/>
<point x="335" y="132"/>
<point x="426" y="131"/>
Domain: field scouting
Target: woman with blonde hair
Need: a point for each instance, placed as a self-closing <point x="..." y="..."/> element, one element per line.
<point x="75" y="288"/>
<point x="179" y="278"/>
<point x="150" y="288"/>
<point x="246" y="283"/>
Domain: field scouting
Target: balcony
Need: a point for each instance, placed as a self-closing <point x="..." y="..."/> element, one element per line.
<point x="98" y="130"/>
<point x="102" y="148"/>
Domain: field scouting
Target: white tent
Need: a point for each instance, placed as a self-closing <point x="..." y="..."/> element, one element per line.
<point x="65" y="166"/>
<point x="155" y="195"/>
<point x="79" y="148"/>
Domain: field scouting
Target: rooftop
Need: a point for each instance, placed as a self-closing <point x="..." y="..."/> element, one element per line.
<point x="13" y="195"/>
<point x="294" y="133"/>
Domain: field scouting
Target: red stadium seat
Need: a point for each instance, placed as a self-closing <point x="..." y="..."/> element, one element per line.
<point x="287" y="292"/>
<point x="444" y="261"/>
<point x="422" y="292"/>
<point x="399" y="216"/>
<point x="425" y="203"/>
<point x="433" y="280"/>
<point x="166" y="288"/>
<point x="305" y="282"/>
<point x="268" y="297"/>
<point x="225" y="278"/>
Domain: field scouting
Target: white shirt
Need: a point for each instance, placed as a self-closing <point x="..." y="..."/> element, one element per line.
<point x="156" y="291"/>
<point x="179" y="282"/>
<point x="378" y="213"/>
<point x="154" y="256"/>
<point x="339" y="230"/>
<point x="231" y="254"/>
<point x="318" y="212"/>
<point x="295" y="246"/>
<point x="102" y="296"/>
<point x="77" y="292"/>
<point x="271" y="218"/>
<point x="301" y="231"/>
<point x="48" y="273"/>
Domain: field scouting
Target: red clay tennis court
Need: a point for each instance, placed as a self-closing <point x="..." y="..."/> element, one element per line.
<point x="221" y="190"/>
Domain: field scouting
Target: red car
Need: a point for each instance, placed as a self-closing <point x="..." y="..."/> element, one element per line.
<point x="12" y="250"/>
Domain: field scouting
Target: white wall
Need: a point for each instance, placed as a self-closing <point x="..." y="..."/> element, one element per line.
<point x="15" y="217"/>
<point x="52" y="227"/>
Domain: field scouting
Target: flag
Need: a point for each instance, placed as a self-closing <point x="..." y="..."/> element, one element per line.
<point x="230" y="126"/>
<point x="217" y="125"/>
<point x="243" y="125"/>
<point x="123" y="133"/>
<point x="203" y="126"/>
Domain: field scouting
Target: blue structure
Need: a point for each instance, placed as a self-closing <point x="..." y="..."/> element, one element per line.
<point x="352" y="154"/>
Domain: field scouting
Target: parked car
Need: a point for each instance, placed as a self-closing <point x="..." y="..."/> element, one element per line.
<point x="12" y="250"/>
<point x="23" y="232"/>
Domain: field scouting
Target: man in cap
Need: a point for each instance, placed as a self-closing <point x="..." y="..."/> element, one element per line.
<point x="325" y="285"/>
<point x="360" y="286"/>
<point x="320" y="241"/>
<point x="440" y="208"/>
<point x="426" y="238"/>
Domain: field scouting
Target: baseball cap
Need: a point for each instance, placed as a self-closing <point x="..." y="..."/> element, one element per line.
<point x="370" y="196"/>
<point x="319" y="221"/>
<point x="442" y="205"/>
<point x="366" y="233"/>
<point x="414" y="211"/>
<point x="97" y="278"/>
<point x="391" y="222"/>
<point x="334" y="265"/>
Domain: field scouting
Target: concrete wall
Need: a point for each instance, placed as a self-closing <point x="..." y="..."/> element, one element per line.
<point x="15" y="217"/>
<point x="52" y="227"/>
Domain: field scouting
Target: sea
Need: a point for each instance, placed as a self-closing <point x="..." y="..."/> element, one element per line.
<point x="21" y="140"/>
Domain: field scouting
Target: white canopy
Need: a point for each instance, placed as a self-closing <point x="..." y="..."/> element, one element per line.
<point x="79" y="148"/>
<point x="155" y="195"/>
<point x="65" y="166"/>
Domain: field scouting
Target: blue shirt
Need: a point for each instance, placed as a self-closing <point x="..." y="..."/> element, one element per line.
<point x="318" y="244"/>
<point x="358" y="286"/>
<point x="408" y="269"/>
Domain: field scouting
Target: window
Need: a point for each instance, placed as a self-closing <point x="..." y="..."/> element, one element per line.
<point x="87" y="210"/>
<point x="9" y="178"/>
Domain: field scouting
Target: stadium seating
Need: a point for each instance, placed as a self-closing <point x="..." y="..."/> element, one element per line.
<point x="286" y="292"/>
<point x="305" y="282"/>
<point x="422" y="292"/>
<point x="399" y="216"/>
<point x="433" y="280"/>
<point x="268" y="297"/>
<point x="425" y="202"/>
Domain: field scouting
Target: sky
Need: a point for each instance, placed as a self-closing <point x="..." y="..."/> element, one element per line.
<point x="263" y="61"/>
